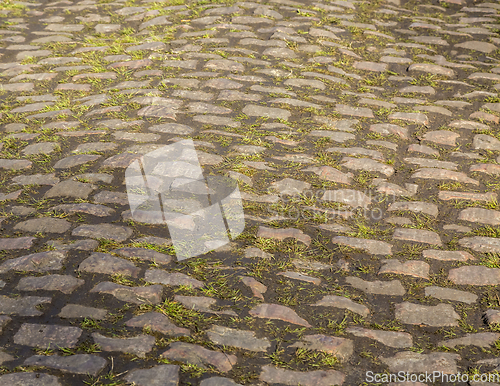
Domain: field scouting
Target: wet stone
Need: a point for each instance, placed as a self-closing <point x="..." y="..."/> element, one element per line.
<point x="23" y="306"/>
<point x="162" y="375"/>
<point x="36" y="262"/>
<point x="341" y="348"/>
<point x="107" y="231"/>
<point x="342" y="302"/>
<point x="274" y="375"/>
<point x="47" y="335"/>
<point x="276" y="311"/>
<point x="197" y="355"/>
<point x="76" y="364"/>
<point x="450" y="294"/>
<point x="237" y="338"/>
<point x="157" y="322"/>
<point x="138" y="345"/>
<point x="138" y="295"/>
<point x="108" y="264"/>
<point x="392" y="288"/>
<point x="73" y="311"/>
<point x="434" y="316"/>
<point x="388" y="338"/>
<point x="64" y="283"/>
<point x="44" y="225"/>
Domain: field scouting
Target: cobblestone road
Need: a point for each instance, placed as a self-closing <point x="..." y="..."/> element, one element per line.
<point x="365" y="139"/>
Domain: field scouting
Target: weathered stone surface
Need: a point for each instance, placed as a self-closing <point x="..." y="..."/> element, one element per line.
<point x="481" y="244"/>
<point x="93" y="209"/>
<point x="202" y="304"/>
<point x="15" y="243"/>
<point x="157" y="322"/>
<point x="138" y="345"/>
<point x="47" y="335"/>
<point x="76" y="364"/>
<point x="274" y="375"/>
<point x="481" y="339"/>
<point x="237" y="338"/>
<point x="44" y="225"/>
<point x="197" y="355"/>
<point x="36" y="262"/>
<point x="144" y="254"/>
<point x="138" y="295"/>
<point x="373" y="247"/>
<point x="104" y="231"/>
<point x="434" y="316"/>
<point x="159" y="276"/>
<point x="300" y="276"/>
<point x="351" y="197"/>
<point x="70" y="188"/>
<point x="23" y="306"/>
<point x="447" y="255"/>
<point x="393" y="287"/>
<point x="413" y="268"/>
<point x="342" y="302"/>
<point x="29" y="378"/>
<point x="341" y="348"/>
<point x="450" y="294"/>
<point x="412" y="362"/>
<point x="388" y="338"/>
<point x="257" y="288"/>
<point x="414" y="206"/>
<point x="281" y="234"/>
<point x="417" y="235"/>
<point x="162" y="375"/>
<point x="64" y="283"/>
<point x="276" y="311"/>
<point x="70" y="311"/>
<point x="474" y="275"/>
<point x="483" y="216"/>
<point x="108" y="264"/>
<point x="219" y="381"/>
